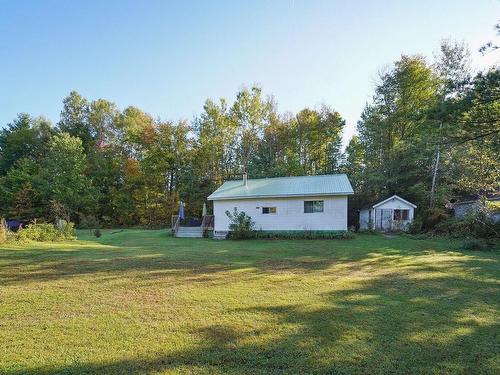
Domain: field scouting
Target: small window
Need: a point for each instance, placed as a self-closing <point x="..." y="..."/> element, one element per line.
<point x="268" y="210"/>
<point x="313" y="206"/>
<point x="401" y="214"/>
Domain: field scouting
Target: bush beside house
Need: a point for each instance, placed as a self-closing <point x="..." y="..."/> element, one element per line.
<point x="305" y="235"/>
<point x="241" y="225"/>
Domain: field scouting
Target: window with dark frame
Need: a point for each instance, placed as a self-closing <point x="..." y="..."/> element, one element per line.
<point x="401" y="214"/>
<point x="313" y="207"/>
<point x="268" y="210"/>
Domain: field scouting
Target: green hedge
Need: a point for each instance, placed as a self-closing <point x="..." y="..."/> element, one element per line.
<point x="304" y="235"/>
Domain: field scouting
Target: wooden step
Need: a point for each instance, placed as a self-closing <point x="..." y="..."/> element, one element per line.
<point x="189" y="232"/>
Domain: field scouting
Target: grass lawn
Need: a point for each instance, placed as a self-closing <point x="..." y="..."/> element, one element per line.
<point x="137" y="302"/>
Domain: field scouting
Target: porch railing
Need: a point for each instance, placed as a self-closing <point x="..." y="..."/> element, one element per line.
<point x="208" y="222"/>
<point x="176" y="220"/>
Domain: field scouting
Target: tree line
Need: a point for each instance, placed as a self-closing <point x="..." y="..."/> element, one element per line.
<point x="431" y="132"/>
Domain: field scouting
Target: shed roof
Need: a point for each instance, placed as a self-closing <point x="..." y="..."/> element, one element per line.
<point x="331" y="184"/>
<point x="375" y="205"/>
<point x="490" y="196"/>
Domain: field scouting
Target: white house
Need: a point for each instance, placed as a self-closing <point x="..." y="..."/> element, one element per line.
<point x="393" y="213"/>
<point x="285" y="203"/>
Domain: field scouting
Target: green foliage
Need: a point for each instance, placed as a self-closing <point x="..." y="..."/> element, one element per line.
<point x="88" y="222"/>
<point x="68" y="230"/>
<point x="394" y="132"/>
<point x="3" y="231"/>
<point x="474" y="225"/>
<point x="242" y="226"/>
<point x="21" y="195"/>
<point x="493" y="206"/>
<point x="5" y="234"/>
<point x="479" y="245"/>
<point x="46" y="232"/>
<point x="251" y="135"/>
<point x="429" y="134"/>
<point x="63" y="171"/>
<point x="416" y="225"/>
<point x="74" y="118"/>
<point x="432" y="217"/>
<point x="25" y="137"/>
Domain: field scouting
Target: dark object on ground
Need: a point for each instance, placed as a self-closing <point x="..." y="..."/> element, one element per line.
<point x="97" y="233"/>
<point x="14" y="225"/>
<point x="192" y="222"/>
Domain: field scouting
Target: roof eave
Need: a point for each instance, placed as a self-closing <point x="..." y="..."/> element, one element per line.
<point x="397" y="197"/>
<point x="211" y="198"/>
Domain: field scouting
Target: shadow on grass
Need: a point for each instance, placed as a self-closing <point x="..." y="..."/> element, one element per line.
<point x="194" y="259"/>
<point x="387" y="324"/>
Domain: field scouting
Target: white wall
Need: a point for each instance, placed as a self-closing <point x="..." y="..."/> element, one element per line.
<point x="395" y="204"/>
<point x="289" y="216"/>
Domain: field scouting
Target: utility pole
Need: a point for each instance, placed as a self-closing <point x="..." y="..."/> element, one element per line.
<point x="436" y="166"/>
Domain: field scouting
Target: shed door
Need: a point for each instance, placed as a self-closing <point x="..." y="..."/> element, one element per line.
<point x="383" y="219"/>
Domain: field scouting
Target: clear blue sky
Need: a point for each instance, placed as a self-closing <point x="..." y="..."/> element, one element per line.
<point x="167" y="57"/>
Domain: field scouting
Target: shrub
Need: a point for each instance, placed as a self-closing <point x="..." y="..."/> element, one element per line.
<point x="473" y="225"/>
<point x="68" y="230"/>
<point x="38" y="232"/>
<point x="370" y="230"/>
<point x="3" y="231"/>
<point x="88" y="222"/>
<point x="432" y="217"/>
<point x="242" y="226"/>
<point x="477" y="245"/>
<point x="46" y="232"/>
<point x="416" y="225"/>
<point x="97" y="233"/>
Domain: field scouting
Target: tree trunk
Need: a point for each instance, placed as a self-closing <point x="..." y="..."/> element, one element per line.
<point x="434" y="174"/>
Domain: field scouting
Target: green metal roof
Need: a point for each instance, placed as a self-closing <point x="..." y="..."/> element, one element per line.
<point x="330" y="184"/>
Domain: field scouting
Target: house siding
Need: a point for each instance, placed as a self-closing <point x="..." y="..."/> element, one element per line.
<point x="289" y="213"/>
<point x="394" y="204"/>
<point x="462" y="209"/>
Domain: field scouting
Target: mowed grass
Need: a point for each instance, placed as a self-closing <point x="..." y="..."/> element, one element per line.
<point x="135" y="302"/>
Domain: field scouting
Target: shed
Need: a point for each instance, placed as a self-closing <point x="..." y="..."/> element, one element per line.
<point x="391" y="214"/>
<point x="473" y="203"/>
